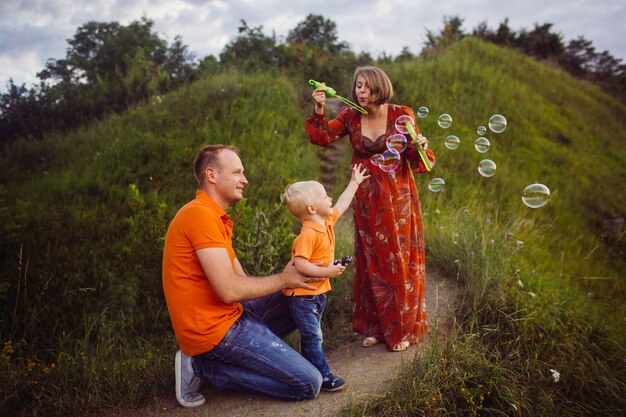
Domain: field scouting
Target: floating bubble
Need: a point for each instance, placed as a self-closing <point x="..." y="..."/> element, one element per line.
<point x="481" y="130"/>
<point x="445" y="121"/>
<point x="482" y="144"/>
<point x="497" y="123"/>
<point x="536" y="195"/>
<point x="436" y="184"/>
<point x="487" y="168"/>
<point x="401" y="122"/>
<point x="397" y="142"/>
<point x="391" y="160"/>
<point x="377" y="159"/>
<point x="452" y="142"/>
<point x="422" y="112"/>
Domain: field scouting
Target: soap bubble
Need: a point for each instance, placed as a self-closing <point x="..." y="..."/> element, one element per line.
<point x="482" y="144"/>
<point x="397" y="142"/>
<point x="445" y="121"/>
<point x="536" y="195"/>
<point x="436" y="184"/>
<point x="377" y="159"/>
<point x="401" y="122"/>
<point x="497" y="123"/>
<point x="422" y="112"/>
<point x="452" y="142"/>
<point x="481" y="130"/>
<point x="391" y="160"/>
<point x="487" y="168"/>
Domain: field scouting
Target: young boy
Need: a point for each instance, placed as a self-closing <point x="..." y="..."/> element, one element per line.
<point x="315" y="245"/>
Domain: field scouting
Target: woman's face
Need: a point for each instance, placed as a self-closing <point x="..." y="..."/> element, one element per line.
<point x="362" y="91"/>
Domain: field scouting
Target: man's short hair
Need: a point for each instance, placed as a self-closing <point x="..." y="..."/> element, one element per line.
<point x="378" y="82"/>
<point x="298" y="196"/>
<point x="208" y="156"/>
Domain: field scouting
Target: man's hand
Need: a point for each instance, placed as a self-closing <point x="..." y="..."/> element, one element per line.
<point x="294" y="279"/>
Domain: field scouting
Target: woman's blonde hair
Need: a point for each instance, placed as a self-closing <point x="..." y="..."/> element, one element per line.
<point x="377" y="81"/>
<point x="298" y="195"/>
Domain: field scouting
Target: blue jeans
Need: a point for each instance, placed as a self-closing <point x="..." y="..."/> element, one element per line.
<point x="307" y="311"/>
<point x="252" y="357"/>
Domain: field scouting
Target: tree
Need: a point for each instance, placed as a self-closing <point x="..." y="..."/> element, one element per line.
<point x="405" y="54"/>
<point x="317" y="33"/>
<point x="452" y="31"/>
<point x="179" y="64"/>
<point x="541" y="42"/>
<point x="314" y="49"/>
<point x="251" y="49"/>
<point x="503" y="36"/>
<point x="578" y="56"/>
<point x="107" y="67"/>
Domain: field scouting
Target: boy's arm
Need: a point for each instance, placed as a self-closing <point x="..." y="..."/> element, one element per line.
<point x="344" y="200"/>
<point x="311" y="270"/>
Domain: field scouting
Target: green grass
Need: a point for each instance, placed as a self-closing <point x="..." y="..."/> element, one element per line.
<point x="543" y="287"/>
<point x="82" y="219"/>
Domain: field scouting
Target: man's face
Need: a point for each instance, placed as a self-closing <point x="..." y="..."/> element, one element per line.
<point x="229" y="178"/>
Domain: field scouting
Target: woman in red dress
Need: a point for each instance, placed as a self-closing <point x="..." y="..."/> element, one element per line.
<point x="389" y="238"/>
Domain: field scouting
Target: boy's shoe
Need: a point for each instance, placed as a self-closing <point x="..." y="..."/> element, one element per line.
<point x="187" y="383"/>
<point x="333" y="383"/>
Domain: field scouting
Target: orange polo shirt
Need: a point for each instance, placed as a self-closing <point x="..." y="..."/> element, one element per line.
<point x="316" y="242"/>
<point x="199" y="317"/>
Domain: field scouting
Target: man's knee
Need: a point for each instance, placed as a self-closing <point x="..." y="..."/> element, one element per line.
<point x="313" y="387"/>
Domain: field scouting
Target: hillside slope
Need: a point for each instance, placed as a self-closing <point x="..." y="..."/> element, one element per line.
<point x="83" y="216"/>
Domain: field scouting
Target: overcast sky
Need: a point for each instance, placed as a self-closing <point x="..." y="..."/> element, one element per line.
<point x="32" y="31"/>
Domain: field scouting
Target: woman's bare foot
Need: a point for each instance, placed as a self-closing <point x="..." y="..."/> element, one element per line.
<point x="401" y="346"/>
<point x="370" y="341"/>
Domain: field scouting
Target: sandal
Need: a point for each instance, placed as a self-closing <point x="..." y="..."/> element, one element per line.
<point x="400" y="346"/>
<point x="370" y="341"/>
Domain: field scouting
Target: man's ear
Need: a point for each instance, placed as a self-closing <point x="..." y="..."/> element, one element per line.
<point x="209" y="174"/>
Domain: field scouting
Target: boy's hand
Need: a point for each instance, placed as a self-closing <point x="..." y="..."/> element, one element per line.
<point x="358" y="174"/>
<point x="335" y="270"/>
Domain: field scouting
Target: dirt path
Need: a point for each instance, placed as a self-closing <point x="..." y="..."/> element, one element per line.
<point x="367" y="371"/>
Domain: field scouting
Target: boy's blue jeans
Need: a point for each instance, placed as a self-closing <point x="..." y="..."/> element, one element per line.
<point x="307" y="311"/>
<point x="253" y="358"/>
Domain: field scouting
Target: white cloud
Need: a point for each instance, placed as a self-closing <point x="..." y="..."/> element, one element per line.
<point x="32" y="31"/>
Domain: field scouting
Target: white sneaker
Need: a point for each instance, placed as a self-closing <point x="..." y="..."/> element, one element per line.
<point x="187" y="383"/>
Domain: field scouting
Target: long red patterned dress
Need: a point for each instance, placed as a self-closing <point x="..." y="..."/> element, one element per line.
<point x="389" y="237"/>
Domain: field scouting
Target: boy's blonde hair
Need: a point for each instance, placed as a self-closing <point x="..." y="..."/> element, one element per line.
<point x="298" y="196"/>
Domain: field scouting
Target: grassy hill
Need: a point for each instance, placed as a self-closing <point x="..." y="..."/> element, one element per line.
<point x="83" y="216"/>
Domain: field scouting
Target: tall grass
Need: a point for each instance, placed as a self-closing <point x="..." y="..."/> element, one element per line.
<point x="542" y="287"/>
<point x="82" y="220"/>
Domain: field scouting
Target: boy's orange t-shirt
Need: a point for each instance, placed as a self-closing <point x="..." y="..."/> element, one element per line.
<point x="199" y="317"/>
<point x="316" y="243"/>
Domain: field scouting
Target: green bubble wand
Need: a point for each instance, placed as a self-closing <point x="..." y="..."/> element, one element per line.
<point x="421" y="150"/>
<point x="332" y="93"/>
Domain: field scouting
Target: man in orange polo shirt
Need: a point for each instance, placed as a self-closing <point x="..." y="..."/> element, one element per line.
<point x="229" y="326"/>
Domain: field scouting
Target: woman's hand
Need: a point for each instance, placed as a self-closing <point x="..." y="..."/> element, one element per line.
<point x="319" y="96"/>
<point x="422" y="141"/>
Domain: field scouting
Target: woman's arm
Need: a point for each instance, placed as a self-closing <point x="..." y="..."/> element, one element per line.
<point x="323" y="132"/>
